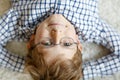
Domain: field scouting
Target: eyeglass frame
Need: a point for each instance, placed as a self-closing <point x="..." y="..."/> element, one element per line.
<point x="53" y="44"/>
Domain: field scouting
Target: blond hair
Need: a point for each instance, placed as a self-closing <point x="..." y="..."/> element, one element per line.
<point x="58" y="70"/>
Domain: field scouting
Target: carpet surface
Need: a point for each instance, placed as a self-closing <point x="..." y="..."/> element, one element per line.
<point x="109" y="10"/>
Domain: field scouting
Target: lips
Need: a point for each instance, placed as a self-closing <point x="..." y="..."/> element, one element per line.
<point x="56" y="24"/>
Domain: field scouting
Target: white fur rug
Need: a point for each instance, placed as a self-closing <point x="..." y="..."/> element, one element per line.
<point x="108" y="10"/>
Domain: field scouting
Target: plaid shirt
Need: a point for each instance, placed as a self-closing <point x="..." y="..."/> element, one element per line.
<point x="19" y="23"/>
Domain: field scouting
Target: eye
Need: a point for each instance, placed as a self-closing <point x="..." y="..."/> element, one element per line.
<point x="67" y="44"/>
<point x="46" y="42"/>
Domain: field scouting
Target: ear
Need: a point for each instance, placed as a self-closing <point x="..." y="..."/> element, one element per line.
<point x="79" y="44"/>
<point x="31" y="41"/>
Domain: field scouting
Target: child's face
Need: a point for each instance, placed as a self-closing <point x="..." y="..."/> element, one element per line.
<point x="57" y="38"/>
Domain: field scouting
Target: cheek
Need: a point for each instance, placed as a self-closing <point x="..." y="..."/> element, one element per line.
<point x="39" y="35"/>
<point x="71" y="34"/>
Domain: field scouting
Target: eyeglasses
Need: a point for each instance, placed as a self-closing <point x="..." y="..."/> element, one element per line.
<point x="46" y="42"/>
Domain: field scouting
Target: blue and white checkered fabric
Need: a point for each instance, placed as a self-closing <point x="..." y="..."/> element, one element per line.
<point x="19" y="22"/>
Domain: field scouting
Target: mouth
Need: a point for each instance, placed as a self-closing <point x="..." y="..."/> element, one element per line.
<point x="56" y="24"/>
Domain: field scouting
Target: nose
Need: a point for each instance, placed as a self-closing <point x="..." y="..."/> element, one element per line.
<point x="57" y="34"/>
<point x="58" y="25"/>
